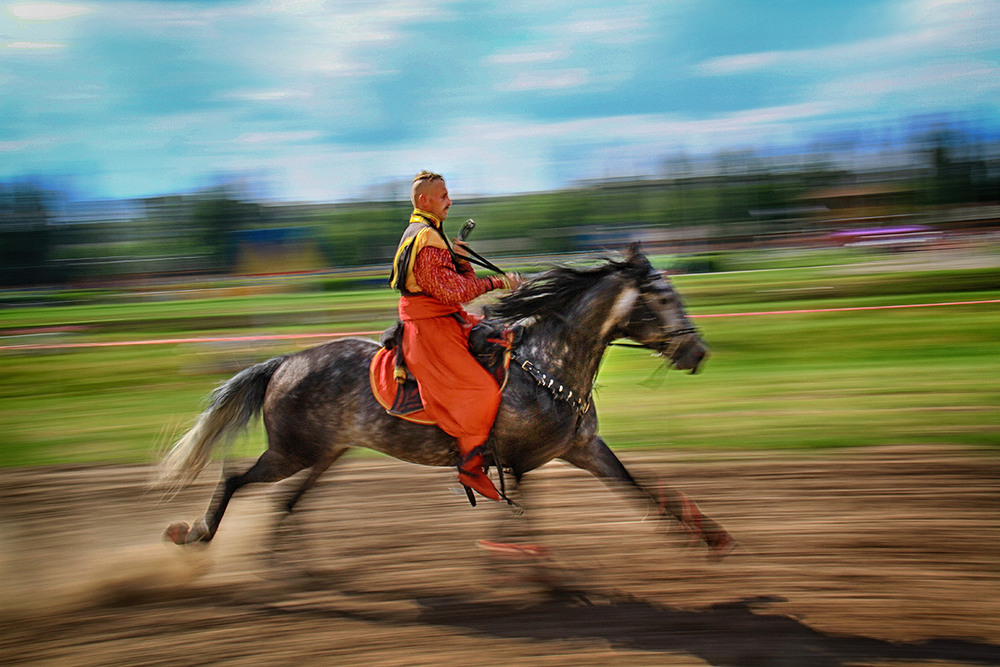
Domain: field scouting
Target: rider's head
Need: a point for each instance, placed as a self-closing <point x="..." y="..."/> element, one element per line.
<point x="431" y="194"/>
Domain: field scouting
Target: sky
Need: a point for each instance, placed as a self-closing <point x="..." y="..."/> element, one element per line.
<point x="312" y="100"/>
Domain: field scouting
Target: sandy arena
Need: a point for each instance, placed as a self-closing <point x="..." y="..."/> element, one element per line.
<point x="860" y="557"/>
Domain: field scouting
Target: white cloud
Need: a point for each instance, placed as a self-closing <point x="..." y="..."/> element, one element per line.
<point x="557" y="79"/>
<point x="928" y="29"/>
<point x="47" y="11"/>
<point x="168" y="18"/>
<point x="644" y="128"/>
<point x="929" y="86"/>
<point x="622" y="26"/>
<point x="525" y="57"/>
<point x="744" y="62"/>
<point x="273" y="80"/>
<point x="18" y="146"/>
<point x="272" y="95"/>
<point x="572" y="47"/>
<point x="280" y="138"/>
<point x="867" y="53"/>
<point x="31" y="46"/>
<point x="487" y="155"/>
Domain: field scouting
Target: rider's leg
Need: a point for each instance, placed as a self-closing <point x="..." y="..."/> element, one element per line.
<point x="470" y="468"/>
<point x="458" y="393"/>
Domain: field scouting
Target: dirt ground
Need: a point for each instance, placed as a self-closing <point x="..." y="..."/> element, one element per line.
<point x="860" y="557"/>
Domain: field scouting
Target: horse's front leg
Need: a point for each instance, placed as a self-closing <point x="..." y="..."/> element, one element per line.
<point x="597" y="458"/>
<point x="515" y="556"/>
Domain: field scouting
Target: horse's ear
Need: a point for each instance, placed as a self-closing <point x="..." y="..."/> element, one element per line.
<point x="635" y="256"/>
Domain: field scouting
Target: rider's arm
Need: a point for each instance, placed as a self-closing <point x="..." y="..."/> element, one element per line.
<point x="437" y="277"/>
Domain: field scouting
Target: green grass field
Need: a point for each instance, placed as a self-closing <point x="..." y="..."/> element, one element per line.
<point x="833" y="379"/>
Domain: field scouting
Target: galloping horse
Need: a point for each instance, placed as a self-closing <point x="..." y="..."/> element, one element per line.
<point x="318" y="403"/>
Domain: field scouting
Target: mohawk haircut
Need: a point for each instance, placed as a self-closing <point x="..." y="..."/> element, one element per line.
<point x="427" y="176"/>
<point x="421" y="180"/>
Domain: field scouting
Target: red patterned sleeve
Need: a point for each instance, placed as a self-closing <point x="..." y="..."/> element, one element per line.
<point x="438" y="277"/>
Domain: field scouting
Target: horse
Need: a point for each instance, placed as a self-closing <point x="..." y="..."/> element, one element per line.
<point x="317" y="403"/>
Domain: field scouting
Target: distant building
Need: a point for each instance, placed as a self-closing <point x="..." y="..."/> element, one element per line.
<point x="277" y="250"/>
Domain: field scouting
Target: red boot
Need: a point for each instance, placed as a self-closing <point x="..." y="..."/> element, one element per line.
<point x="472" y="476"/>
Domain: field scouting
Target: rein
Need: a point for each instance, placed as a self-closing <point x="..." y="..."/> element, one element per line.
<point x="670" y="336"/>
<point x="472" y="257"/>
<point x="475" y="258"/>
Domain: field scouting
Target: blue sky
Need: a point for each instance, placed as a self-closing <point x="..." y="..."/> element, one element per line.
<point x="324" y="101"/>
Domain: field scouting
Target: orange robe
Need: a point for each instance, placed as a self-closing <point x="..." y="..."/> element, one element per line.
<point x="457" y="392"/>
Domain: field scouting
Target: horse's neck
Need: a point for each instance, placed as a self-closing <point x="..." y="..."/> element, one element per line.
<point x="571" y="347"/>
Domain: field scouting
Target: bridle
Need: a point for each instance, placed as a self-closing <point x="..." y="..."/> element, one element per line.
<point x="668" y="344"/>
<point x="669" y="341"/>
<point x="671" y="338"/>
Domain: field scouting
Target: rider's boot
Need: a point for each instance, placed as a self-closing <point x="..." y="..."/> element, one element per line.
<point x="472" y="476"/>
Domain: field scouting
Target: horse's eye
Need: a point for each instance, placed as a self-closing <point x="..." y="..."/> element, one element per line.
<point x="661" y="298"/>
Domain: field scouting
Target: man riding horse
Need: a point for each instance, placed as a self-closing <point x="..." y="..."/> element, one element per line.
<point x="317" y="404"/>
<point x="434" y="282"/>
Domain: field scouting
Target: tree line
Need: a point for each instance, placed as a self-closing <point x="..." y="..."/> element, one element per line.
<point x="45" y="239"/>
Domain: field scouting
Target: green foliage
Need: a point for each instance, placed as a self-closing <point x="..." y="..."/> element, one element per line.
<point x="216" y="218"/>
<point x="27" y="238"/>
<point x="920" y="376"/>
<point x="902" y="376"/>
<point x="736" y="198"/>
<point x="361" y="234"/>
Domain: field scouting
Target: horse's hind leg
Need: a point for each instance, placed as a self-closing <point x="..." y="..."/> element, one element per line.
<point x="270" y="467"/>
<point x="281" y="540"/>
<point x="597" y="458"/>
<point x="311" y="479"/>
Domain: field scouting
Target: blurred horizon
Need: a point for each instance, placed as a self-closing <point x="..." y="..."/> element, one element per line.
<point x="310" y="101"/>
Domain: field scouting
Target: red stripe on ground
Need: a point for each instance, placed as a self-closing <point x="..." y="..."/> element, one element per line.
<point x="850" y="308"/>
<point x="178" y="341"/>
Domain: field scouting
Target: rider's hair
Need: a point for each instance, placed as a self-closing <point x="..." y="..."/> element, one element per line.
<point x="420" y="181"/>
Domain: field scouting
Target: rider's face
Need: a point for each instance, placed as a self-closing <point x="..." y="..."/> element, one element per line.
<point x="436" y="200"/>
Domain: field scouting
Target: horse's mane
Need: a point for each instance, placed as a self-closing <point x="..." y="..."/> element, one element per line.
<point x="550" y="292"/>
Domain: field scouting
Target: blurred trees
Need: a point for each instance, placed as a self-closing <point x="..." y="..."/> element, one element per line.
<point x="27" y="236"/>
<point x="214" y="220"/>
<point x="362" y="233"/>
<point x="732" y="198"/>
<point x="959" y="173"/>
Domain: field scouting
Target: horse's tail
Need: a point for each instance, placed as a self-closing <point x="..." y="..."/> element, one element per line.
<point x="233" y="404"/>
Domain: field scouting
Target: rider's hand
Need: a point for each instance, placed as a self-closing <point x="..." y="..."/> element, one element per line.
<point x="512" y="280"/>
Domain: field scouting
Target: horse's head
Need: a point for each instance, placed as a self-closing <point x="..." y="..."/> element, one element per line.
<point x="624" y="298"/>
<point x="657" y="319"/>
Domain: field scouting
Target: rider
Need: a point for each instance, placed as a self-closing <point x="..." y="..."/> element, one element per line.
<point x="434" y="282"/>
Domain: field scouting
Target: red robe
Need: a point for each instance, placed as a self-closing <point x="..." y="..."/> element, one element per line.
<point x="458" y="393"/>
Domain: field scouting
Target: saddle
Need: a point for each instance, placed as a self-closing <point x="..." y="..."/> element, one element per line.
<point x="489" y="343"/>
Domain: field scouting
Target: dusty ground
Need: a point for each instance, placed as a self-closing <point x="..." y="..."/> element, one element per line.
<point x="887" y="556"/>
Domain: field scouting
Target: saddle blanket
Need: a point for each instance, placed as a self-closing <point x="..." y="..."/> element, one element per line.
<point x="384" y="387"/>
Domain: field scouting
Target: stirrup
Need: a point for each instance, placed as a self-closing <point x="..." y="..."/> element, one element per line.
<point x="478" y="475"/>
<point x="470" y="493"/>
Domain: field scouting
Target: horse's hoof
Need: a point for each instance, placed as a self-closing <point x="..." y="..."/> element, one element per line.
<point x="177" y="532"/>
<point x="517" y="550"/>
<point x="199" y="533"/>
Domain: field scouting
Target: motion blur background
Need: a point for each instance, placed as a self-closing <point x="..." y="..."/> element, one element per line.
<point x="159" y="138"/>
<point x="187" y="188"/>
<point x="163" y="163"/>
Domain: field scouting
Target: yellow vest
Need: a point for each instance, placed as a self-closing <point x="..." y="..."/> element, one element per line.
<point x="423" y="230"/>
